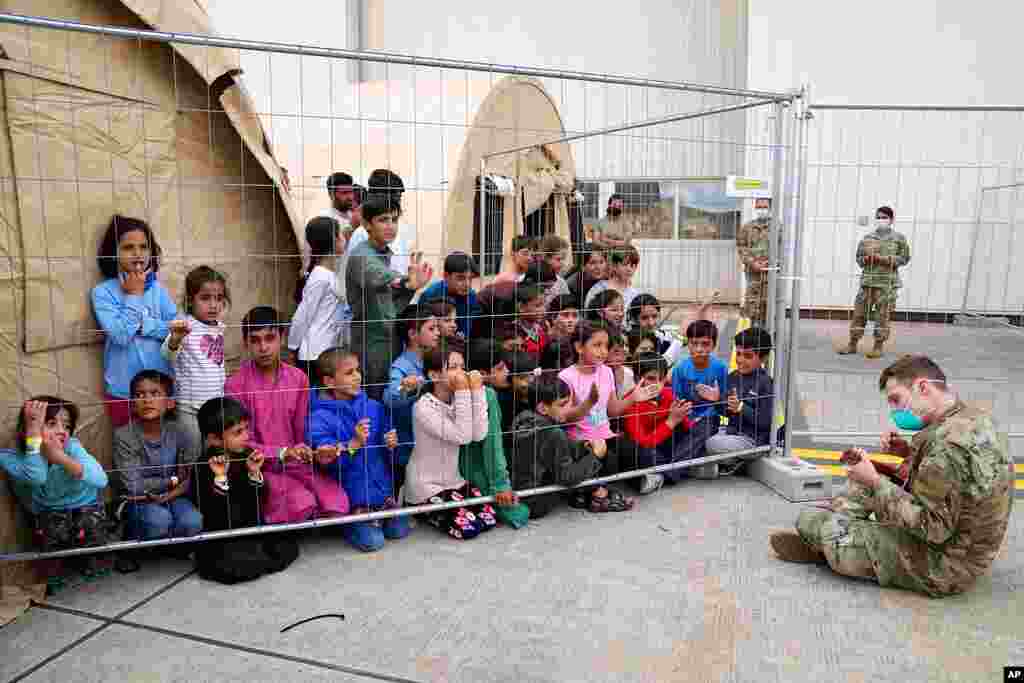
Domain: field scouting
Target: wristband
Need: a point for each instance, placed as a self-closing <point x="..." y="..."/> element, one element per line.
<point x="33" y="443"/>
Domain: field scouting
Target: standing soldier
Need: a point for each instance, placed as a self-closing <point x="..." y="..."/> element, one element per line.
<point x="941" y="528"/>
<point x="752" y="244"/>
<point x="880" y="255"/>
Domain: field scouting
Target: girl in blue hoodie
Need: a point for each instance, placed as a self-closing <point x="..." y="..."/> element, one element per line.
<point x="343" y="416"/>
<point x="133" y="309"/>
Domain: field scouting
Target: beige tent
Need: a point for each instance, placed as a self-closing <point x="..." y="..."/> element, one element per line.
<point x="517" y="112"/>
<point x="95" y="126"/>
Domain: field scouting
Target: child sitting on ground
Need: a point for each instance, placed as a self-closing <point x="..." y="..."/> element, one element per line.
<point x="530" y="318"/>
<point x="645" y="316"/>
<point x="563" y="316"/>
<point x="551" y="252"/>
<point x="153" y="458"/>
<point x="748" y="401"/>
<point x="607" y="309"/>
<point x="451" y="414"/>
<point x="593" y="270"/>
<point x="651" y="425"/>
<point x="618" y="362"/>
<point x="593" y="387"/>
<point x="54" y="477"/>
<point x="343" y="416"/>
<point x="513" y="268"/>
<point x="459" y="271"/>
<point x="276" y="396"/>
<point x="482" y="463"/>
<point x="227" y="486"/>
<point x="542" y="453"/>
<point x="623" y="262"/>
<point x="417" y="325"/>
<point x="700" y="379"/>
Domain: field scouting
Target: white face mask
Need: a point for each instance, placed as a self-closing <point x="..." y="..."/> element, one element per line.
<point x="883" y="223"/>
<point x="762" y="214"/>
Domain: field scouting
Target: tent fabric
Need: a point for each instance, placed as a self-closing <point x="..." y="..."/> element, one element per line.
<point x="97" y="125"/>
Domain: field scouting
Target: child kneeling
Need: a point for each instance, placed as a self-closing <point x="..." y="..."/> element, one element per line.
<point x="451" y="414"/>
<point x="542" y="453"/>
<point x="343" y="417"/>
<point x="227" y="490"/>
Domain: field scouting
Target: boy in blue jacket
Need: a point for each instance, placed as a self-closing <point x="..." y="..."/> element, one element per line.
<point x="702" y="379"/>
<point x="342" y="415"/>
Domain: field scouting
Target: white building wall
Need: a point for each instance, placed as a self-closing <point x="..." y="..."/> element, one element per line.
<point x="928" y="166"/>
<point x="414" y="119"/>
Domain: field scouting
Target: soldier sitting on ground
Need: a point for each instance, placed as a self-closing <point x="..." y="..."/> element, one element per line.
<point x="942" y="529"/>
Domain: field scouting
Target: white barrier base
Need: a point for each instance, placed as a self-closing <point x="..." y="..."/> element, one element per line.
<point x="793" y="479"/>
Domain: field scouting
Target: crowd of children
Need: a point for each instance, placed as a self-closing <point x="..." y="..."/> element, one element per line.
<point x="540" y="379"/>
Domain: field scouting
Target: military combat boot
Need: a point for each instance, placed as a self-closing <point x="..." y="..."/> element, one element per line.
<point x="850" y="348"/>
<point x="790" y="547"/>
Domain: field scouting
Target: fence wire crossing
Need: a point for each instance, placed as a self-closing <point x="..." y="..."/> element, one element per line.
<point x="219" y="209"/>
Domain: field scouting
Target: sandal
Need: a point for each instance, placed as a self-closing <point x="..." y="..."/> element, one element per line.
<point x="613" y="502"/>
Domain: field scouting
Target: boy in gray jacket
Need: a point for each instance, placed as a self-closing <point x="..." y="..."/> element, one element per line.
<point x="542" y="453"/>
<point x="153" y="455"/>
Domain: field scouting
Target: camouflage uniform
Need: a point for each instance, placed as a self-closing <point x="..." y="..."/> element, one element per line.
<point x="941" y="532"/>
<point x="620" y="228"/>
<point x="879" y="283"/>
<point x="752" y="243"/>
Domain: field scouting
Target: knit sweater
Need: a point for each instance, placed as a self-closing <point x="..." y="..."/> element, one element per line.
<point x="440" y="429"/>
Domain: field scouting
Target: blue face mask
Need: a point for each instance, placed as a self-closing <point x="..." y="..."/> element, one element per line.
<point x="905" y="418"/>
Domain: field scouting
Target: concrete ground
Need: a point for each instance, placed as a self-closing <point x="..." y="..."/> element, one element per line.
<point x="683" y="588"/>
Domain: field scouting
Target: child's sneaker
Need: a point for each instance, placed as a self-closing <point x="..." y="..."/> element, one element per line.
<point x="651" y="483"/>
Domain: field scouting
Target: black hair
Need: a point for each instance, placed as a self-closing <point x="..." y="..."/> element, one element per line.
<point x="435" y="360"/>
<point x="651" y="361"/>
<point x="638" y="303"/>
<point x="378" y="205"/>
<point x="547" y="389"/>
<point x="328" y="360"/>
<point x="626" y="254"/>
<point x="338" y="179"/>
<point x="53" y="406"/>
<point x="887" y="210"/>
<point x="521" y="363"/>
<point x="637" y="337"/>
<point x="558" y="355"/>
<point x="107" y="257"/>
<point x="220" y="414"/>
<point x="562" y="302"/>
<point x="414" y="316"/>
<point x="755" y="338"/>
<point x="155" y="376"/>
<point x="321" y="235"/>
<point x="520" y="242"/>
<point x="259" y="318"/>
<point x="526" y="294"/>
<point x="383" y="181"/>
<point x="196" y="278"/>
<point x="702" y="329"/>
<point x="484" y="355"/>
<point x="587" y="329"/>
<point x="540" y="272"/>
<point x="602" y="300"/>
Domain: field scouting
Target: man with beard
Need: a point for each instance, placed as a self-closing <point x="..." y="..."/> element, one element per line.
<point x="614" y="230"/>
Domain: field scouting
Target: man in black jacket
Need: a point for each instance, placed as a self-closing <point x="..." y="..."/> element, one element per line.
<point x="748" y="400"/>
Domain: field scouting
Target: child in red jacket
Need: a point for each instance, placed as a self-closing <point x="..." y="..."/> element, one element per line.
<point x="650" y="425"/>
